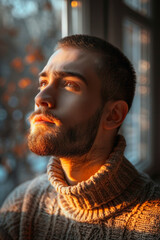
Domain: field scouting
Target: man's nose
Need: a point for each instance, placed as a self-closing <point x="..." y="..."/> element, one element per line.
<point x="45" y="98"/>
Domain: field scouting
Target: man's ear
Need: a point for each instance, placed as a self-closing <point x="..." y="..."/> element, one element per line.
<point x="114" y="114"/>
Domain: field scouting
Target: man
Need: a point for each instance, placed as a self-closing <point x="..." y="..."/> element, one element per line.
<point x="91" y="191"/>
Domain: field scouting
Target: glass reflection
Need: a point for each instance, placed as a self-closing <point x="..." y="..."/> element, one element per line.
<point x="141" y="6"/>
<point x="136" y="45"/>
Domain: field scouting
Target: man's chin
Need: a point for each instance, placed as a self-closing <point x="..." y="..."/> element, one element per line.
<point x="39" y="144"/>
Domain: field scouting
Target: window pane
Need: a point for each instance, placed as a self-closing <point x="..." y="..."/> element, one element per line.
<point x="141" y="6"/>
<point x="136" y="43"/>
<point x="76" y="17"/>
<point x="29" y="30"/>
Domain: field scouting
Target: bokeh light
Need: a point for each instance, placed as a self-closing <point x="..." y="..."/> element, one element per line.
<point x="3" y="114"/>
<point x="29" y="31"/>
<point x="24" y="82"/>
<point x="17" y="115"/>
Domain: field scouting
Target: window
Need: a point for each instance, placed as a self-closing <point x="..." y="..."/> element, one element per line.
<point x="29" y="31"/>
<point x="130" y="29"/>
<point x="136" y="45"/>
<point x="141" y="6"/>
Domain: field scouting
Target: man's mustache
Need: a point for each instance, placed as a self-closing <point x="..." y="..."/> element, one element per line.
<point x="45" y="112"/>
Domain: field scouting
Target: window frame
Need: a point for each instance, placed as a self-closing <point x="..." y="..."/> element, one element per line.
<point x="114" y="35"/>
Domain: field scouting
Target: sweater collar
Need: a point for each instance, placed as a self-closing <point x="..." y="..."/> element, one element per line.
<point x="102" y="192"/>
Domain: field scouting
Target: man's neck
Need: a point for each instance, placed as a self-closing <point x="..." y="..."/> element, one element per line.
<point x="79" y="169"/>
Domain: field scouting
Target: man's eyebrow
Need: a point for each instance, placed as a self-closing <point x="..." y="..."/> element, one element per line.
<point x="43" y="74"/>
<point x="65" y="74"/>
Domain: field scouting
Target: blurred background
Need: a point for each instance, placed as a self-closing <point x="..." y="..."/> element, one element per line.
<point x="29" y="31"/>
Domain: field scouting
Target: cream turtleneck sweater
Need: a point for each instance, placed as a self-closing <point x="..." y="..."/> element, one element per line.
<point x="115" y="203"/>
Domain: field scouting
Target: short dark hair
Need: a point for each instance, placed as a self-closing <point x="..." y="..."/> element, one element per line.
<point x="117" y="73"/>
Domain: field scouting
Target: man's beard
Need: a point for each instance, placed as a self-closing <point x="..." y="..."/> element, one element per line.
<point x="61" y="142"/>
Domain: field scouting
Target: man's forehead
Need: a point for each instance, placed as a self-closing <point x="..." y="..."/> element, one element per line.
<point x="76" y="61"/>
<point x="74" y="55"/>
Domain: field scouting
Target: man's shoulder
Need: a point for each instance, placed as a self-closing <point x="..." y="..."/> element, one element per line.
<point x="151" y="192"/>
<point x="151" y="204"/>
<point x="22" y="201"/>
<point x="147" y="218"/>
<point x="28" y="187"/>
<point x="149" y="196"/>
<point x="147" y="211"/>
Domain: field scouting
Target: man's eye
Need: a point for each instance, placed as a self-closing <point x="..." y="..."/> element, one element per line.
<point x="42" y="84"/>
<point x="72" y="86"/>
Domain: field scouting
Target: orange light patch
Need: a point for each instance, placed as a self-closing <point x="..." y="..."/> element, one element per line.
<point x="17" y="64"/>
<point x="24" y="82"/>
<point x="30" y="58"/>
<point x="5" y="97"/>
<point x="75" y="4"/>
<point x="36" y="55"/>
<point x="2" y="81"/>
<point x="13" y="32"/>
<point x="11" y="87"/>
<point x="34" y="70"/>
<point x="20" y="149"/>
<point x="48" y="6"/>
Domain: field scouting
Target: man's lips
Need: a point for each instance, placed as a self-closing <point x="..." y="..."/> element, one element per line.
<point x="41" y="118"/>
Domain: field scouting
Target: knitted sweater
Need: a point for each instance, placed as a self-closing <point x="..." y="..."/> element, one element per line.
<point x="115" y="203"/>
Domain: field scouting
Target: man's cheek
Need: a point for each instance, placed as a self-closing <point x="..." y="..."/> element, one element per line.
<point x="71" y="107"/>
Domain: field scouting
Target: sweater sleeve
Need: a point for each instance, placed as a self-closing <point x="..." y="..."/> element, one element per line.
<point x="144" y="222"/>
<point x="10" y="213"/>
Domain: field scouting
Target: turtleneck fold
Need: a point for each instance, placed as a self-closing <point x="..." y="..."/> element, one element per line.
<point x="117" y="202"/>
<point x="102" y="194"/>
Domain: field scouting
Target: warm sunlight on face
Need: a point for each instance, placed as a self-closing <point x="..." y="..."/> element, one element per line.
<point x="68" y="106"/>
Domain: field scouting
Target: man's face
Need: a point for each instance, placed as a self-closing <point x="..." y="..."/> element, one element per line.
<point x="68" y="105"/>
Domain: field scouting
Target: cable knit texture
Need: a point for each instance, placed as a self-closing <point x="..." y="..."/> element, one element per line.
<point x="115" y="203"/>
